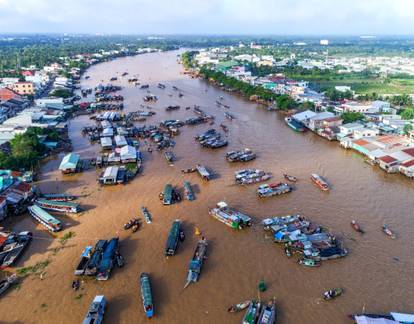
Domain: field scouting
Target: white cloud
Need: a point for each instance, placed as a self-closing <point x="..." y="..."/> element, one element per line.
<point x="209" y="16"/>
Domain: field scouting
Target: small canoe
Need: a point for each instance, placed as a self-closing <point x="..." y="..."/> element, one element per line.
<point x="387" y="231"/>
<point x="146" y="214"/>
<point x="239" y="307"/>
<point x="290" y="178"/>
<point x="309" y="262"/>
<point x="332" y="293"/>
<point x="357" y="227"/>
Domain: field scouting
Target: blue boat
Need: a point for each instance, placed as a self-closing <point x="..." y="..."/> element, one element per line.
<point x="96" y="311"/>
<point x="196" y="262"/>
<point x="295" y="125"/>
<point x="189" y="193"/>
<point x="108" y="257"/>
<point x="96" y="257"/>
<point x="146" y="294"/>
<point x="173" y="237"/>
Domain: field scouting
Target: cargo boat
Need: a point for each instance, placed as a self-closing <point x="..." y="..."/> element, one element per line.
<point x="169" y="196"/>
<point x="189" y="194"/>
<point x="96" y="311"/>
<point x="146" y="294"/>
<point x="252" y="313"/>
<point x="58" y="197"/>
<point x="229" y="216"/>
<point x="61" y="206"/>
<point x="96" y="257"/>
<point x="295" y="125"/>
<point x="320" y="182"/>
<point x="268" y="190"/>
<point x="250" y="176"/>
<point x="202" y="171"/>
<point x="268" y="313"/>
<point x="12" y="247"/>
<point x="173" y="237"/>
<point x="196" y="262"/>
<point x="44" y="218"/>
<point x="85" y="257"/>
<point x="108" y="257"/>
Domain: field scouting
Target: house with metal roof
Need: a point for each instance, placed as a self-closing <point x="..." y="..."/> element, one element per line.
<point x="70" y="163"/>
<point x="109" y="176"/>
<point x="106" y="143"/>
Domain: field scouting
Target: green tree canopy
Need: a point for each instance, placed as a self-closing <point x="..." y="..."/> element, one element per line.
<point x="350" y="117"/>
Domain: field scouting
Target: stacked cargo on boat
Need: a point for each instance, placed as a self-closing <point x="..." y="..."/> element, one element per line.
<point x="230" y="216"/>
<point x="310" y="242"/>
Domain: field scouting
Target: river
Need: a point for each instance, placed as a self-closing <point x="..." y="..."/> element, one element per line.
<point x="376" y="275"/>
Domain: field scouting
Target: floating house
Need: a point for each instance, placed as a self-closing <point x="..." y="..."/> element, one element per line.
<point x="69" y="163"/>
<point x="128" y="154"/>
<point x="120" y="141"/>
<point x="106" y="143"/>
<point x="110" y="175"/>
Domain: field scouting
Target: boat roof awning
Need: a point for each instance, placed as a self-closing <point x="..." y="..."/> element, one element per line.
<point x="370" y="320"/>
<point x="403" y="318"/>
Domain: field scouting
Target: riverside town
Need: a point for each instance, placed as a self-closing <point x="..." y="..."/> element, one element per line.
<point x="196" y="174"/>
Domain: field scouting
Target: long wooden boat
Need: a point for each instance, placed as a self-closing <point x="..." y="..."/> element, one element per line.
<point x="61" y="206"/>
<point x="146" y="294"/>
<point x="252" y="313"/>
<point x="189" y="193"/>
<point x="13" y="246"/>
<point x="268" y="313"/>
<point x="58" y="197"/>
<point x="230" y="216"/>
<point x="44" y="218"/>
<point x="320" y="182"/>
<point x="84" y="260"/>
<point x="173" y="238"/>
<point x="96" y="311"/>
<point x="196" y="262"/>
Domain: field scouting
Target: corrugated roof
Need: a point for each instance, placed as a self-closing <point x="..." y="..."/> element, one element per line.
<point x="360" y="142"/>
<point x="387" y="159"/>
<point x="408" y="164"/>
<point x="409" y="151"/>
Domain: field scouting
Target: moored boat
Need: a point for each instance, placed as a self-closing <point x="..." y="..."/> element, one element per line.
<point x="252" y="313"/>
<point x="146" y="214"/>
<point x="320" y="182"/>
<point x="61" y="206"/>
<point x="96" y="311"/>
<point x="44" y="218"/>
<point x="5" y="284"/>
<point x="196" y="262"/>
<point x="295" y="125"/>
<point x="108" y="257"/>
<point x="268" y="313"/>
<point x="239" y="306"/>
<point x="173" y="238"/>
<point x="332" y="293"/>
<point x="146" y="294"/>
<point x="268" y="190"/>
<point x="189" y="193"/>
<point x="12" y="247"/>
<point x="230" y="216"/>
<point x="202" y="171"/>
<point x="58" y="197"/>
<point x="85" y="257"/>
<point x="388" y="231"/>
<point x="290" y="178"/>
<point x="357" y="227"/>
<point x="309" y="262"/>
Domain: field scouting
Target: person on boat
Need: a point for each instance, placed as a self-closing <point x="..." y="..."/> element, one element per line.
<point x="197" y="231"/>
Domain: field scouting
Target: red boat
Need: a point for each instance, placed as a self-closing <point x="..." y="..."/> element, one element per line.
<point x="320" y="182"/>
<point x="356" y="227"/>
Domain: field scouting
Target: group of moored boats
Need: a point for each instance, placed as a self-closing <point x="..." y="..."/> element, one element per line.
<point x="171" y="195"/>
<point x="211" y="139"/>
<point x="249" y="176"/>
<point x="243" y="155"/>
<point x="12" y="246"/>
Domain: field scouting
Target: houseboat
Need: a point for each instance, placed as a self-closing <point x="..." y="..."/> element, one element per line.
<point x="173" y="237"/>
<point x="12" y="246"/>
<point x="320" y="182"/>
<point x="58" y="197"/>
<point x="61" y="206"/>
<point x="96" y="311"/>
<point x="146" y="294"/>
<point x="196" y="262"/>
<point x="108" y="258"/>
<point x="189" y="194"/>
<point x="84" y="260"/>
<point x="240" y="156"/>
<point x="202" y="171"/>
<point x="44" y="218"/>
<point x="229" y="216"/>
<point x="295" y="125"/>
<point x="268" y="190"/>
<point x="250" y="176"/>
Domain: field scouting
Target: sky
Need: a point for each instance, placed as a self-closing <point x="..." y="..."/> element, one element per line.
<point x="276" y="17"/>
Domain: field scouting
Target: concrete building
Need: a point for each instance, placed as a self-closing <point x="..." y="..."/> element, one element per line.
<point x="24" y="88"/>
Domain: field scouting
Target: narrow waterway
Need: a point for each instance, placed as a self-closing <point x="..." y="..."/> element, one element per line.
<point x="377" y="274"/>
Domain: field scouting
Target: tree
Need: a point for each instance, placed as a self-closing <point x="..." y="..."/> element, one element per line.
<point x="407" y="114"/>
<point x="61" y="93"/>
<point x="407" y="128"/>
<point x="401" y="100"/>
<point x="350" y="117"/>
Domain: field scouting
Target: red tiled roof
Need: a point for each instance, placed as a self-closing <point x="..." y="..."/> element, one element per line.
<point x="7" y="94"/>
<point x="27" y="73"/>
<point x="387" y="159"/>
<point x="409" y="151"/>
<point x="408" y="163"/>
<point x="361" y="142"/>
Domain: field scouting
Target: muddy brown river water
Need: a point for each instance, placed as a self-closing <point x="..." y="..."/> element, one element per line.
<point x="377" y="275"/>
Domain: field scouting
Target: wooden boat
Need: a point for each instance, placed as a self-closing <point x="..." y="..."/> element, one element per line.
<point x="169" y="156"/>
<point x="96" y="311"/>
<point x="44" y="218"/>
<point x="290" y="177"/>
<point x="189" y="193"/>
<point x="60" y="206"/>
<point x="332" y="293"/>
<point x="230" y="216"/>
<point x="196" y="262"/>
<point x="387" y="231"/>
<point x="173" y="238"/>
<point x="202" y="171"/>
<point x="319" y="181"/>
<point x="13" y="247"/>
<point x="239" y="307"/>
<point x="309" y="262"/>
<point x="58" y="197"/>
<point x="6" y="283"/>
<point x="295" y="125"/>
<point x="108" y="257"/>
<point x="190" y="170"/>
<point x="146" y="294"/>
<point x="96" y="257"/>
<point x="252" y="313"/>
<point x="268" y="313"/>
<point x="85" y="257"/>
<point x="357" y="227"/>
<point x="146" y="214"/>
<point x="276" y="189"/>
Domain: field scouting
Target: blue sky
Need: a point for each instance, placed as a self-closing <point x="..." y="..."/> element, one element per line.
<point x="279" y="17"/>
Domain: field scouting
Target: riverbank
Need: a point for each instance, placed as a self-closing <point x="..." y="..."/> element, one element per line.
<point x="369" y="272"/>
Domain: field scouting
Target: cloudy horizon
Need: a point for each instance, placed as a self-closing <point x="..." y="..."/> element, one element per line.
<point x="225" y="17"/>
